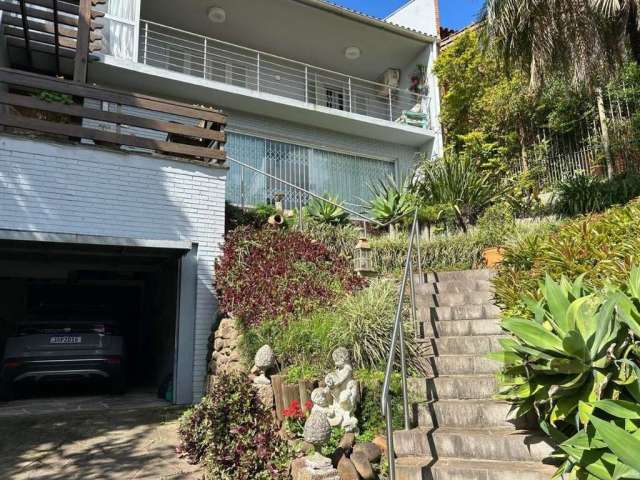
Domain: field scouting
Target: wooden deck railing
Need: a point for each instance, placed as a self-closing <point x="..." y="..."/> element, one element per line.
<point x="194" y="132"/>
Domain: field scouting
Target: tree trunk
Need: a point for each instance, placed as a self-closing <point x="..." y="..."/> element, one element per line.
<point x="604" y="127"/>
<point x="634" y="33"/>
<point x="523" y="147"/>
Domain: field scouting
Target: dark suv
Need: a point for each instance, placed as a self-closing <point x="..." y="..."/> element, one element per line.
<point x="59" y="348"/>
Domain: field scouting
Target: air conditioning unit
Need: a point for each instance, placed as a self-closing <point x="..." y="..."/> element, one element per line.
<point x="390" y="78"/>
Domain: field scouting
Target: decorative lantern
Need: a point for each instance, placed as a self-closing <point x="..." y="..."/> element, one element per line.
<point x="362" y="258"/>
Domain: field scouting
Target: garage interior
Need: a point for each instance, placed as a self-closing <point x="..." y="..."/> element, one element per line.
<point x="138" y="287"/>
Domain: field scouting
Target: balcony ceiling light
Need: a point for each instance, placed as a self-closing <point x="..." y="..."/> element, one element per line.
<point x="217" y="15"/>
<point x="352" y="53"/>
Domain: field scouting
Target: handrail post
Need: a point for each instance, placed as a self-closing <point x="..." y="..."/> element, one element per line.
<point x="350" y="97"/>
<point x="306" y="84"/>
<point x="390" y="442"/>
<point x="258" y="71"/>
<point x="390" y="106"/>
<point x="242" y="201"/>
<point x="204" y="68"/>
<point x="146" y="43"/>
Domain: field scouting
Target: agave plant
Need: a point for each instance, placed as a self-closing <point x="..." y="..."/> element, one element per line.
<point x="391" y="201"/>
<point x="578" y="347"/>
<point x="327" y="211"/>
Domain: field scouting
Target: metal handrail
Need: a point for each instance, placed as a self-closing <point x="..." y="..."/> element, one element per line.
<point x="397" y="340"/>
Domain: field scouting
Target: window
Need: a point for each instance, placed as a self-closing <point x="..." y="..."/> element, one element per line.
<point x="320" y="171"/>
<point x="121" y="28"/>
<point x="335" y="98"/>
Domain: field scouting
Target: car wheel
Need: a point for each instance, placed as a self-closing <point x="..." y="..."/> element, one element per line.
<point x="6" y="391"/>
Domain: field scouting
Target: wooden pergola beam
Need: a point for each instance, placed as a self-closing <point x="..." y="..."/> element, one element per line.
<point x="25" y="28"/>
<point x="82" y="46"/>
<point x="56" y="40"/>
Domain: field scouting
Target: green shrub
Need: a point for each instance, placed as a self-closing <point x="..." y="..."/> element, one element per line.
<point x="327" y="212"/>
<point x="340" y="240"/>
<point x="256" y="217"/>
<point x="576" y="345"/>
<point x="234" y="433"/>
<point x="361" y="322"/>
<point x="370" y="419"/>
<point x="496" y="224"/>
<point x="602" y="247"/>
<point x="586" y="194"/>
<point x="453" y="252"/>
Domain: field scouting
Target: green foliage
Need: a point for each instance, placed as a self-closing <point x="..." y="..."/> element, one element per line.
<point x="340" y="240"/>
<point x="575" y="345"/>
<point x="459" y="184"/>
<point x="496" y="224"/>
<point x="452" y="252"/>
<point x="361" y="322"/>
<point x="602" y="247"/>
<point x="324" y="212"/>
<point x="256" y="217"/>
<point x="391" y="201"/>
<point x="234" y="433"/>
<point x="370" y="419"/>
<point x="330" y="447"/>
<point x="54" y="97"/>
<point x="586" y="194"/>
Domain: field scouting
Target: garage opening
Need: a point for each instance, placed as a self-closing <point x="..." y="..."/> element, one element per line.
<point x="87" y="319"/>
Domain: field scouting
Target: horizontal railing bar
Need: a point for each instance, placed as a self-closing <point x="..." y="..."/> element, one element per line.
<point x="303" y="64"/>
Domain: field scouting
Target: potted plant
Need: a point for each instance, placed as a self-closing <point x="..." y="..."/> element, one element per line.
<point x="494" y="226"/>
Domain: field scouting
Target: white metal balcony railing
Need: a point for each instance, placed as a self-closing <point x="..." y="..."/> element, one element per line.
<point x="184" y="52"/>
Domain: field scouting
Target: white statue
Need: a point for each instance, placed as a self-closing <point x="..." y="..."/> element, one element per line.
<point x="323" y="403"/>
<point x="344" y="390"/>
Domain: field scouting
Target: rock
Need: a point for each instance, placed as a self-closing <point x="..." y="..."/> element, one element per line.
<point x="371" y="450"/>
<point x="347" y="470"/>
<point x="318" y="462"/>
<point x="265" y="395"/>
<point x="297" y="465"/>
<point x="348" y="440"/>
<point x="337" y="455"/>
<point x="381" y="443"/>
<point x="363" y="466"/>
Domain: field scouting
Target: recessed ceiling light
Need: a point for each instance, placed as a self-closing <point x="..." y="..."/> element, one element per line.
<point x="217" y="15"/>
<point x="352" y="53"/>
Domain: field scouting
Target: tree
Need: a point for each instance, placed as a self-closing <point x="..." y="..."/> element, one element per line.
<point x="582" y="39"/>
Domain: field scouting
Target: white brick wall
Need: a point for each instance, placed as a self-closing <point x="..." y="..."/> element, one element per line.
<point x="50" y="187"/>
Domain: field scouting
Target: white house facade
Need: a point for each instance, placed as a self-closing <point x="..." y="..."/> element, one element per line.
<point x="311" y="94"/>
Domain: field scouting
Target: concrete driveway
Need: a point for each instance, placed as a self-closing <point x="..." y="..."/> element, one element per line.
<point x="117" y="442"/>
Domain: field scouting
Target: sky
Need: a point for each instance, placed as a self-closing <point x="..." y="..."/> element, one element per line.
<point x="454" y="14"/>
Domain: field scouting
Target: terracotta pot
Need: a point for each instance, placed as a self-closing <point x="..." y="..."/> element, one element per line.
<point x="597" y="170"/>
<point x="493" y="256"/>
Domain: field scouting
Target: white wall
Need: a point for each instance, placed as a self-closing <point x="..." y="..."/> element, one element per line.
<point x="419" y="15"/>
<point x="64" y="188"/>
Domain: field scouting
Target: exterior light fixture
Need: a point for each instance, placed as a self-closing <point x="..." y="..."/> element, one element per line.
<point x="352" y="53"/>
<point x="217" y="15"/>
<point x="362" y="258"/>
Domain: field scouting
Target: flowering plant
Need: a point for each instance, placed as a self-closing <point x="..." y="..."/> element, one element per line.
<point x="295" y="417"/>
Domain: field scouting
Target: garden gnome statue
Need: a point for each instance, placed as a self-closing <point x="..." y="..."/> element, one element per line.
<point x="317" y="432"/>
<point x="264" y="360"/>
<point x="323" y="402"/>
<point x="344" y="390"/>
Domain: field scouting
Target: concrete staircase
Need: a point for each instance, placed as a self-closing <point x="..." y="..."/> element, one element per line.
<point x="460" y="432"/>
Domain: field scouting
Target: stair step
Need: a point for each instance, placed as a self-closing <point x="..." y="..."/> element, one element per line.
<point x="465" y="414"/>
<point x="452" y="299"/>
<point x="464" y="365"/>
<point x="464" y="275"/>
<point x="463" y="387"/>
<point x="458" y="312"/>
<point x="472" y="345"/>
<point x="455" y="328"/>
<point x="478" y="444"/>
<point x="454" y="286"/>
<point x="424" y="468"/>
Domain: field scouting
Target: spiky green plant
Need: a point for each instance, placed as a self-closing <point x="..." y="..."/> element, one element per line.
<point x="579" y="346"/>
<point x="391" y="201"/>
<point x="328" y="210"/>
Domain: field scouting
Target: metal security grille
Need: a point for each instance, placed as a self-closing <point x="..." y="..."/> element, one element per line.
<point x="344" y="176"/>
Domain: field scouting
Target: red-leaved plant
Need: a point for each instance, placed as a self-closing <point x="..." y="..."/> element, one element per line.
<point x="272" y="273"/>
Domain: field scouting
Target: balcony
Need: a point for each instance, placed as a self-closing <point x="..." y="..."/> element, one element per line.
<point x="279" y="79"/>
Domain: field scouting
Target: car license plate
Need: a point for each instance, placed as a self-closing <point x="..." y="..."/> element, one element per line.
<point x="65" y="340"/>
